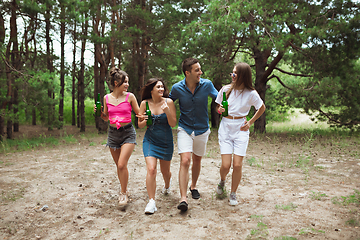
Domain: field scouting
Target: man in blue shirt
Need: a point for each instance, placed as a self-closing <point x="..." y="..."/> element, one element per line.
<point x="193" y="130"/>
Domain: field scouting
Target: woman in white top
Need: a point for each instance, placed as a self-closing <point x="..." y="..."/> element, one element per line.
<point x="234" y="131"/>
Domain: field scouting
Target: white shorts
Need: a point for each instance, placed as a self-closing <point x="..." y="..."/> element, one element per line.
<point x="192" y="143"/>
<point x="231" y="138"/>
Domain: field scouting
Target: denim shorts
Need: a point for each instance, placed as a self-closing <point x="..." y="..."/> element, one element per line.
<point x="118" y="137"/>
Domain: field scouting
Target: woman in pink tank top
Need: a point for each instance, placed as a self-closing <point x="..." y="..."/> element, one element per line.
<point x="121" y="133"/>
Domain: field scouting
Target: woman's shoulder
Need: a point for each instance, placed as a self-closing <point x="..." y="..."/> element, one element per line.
<point x="225" y="87"/>
<point x="168" y="100"/>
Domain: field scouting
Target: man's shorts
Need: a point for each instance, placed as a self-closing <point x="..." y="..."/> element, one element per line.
<point x="231" y="138"/>
<point x="192" y="143"/>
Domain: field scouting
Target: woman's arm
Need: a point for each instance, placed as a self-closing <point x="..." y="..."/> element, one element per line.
<point x="142" y="120"/>
<point x="258" y="113"/>
<point x="169" y="109"/>
<point x="134" y="103"/>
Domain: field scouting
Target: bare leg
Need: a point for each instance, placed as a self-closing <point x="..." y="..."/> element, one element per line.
<point x="237" y="172"/>
<point x="185" y="159"/>
<point x="225" y="166"/>
<point x="151" y="176"/>
<point x="121" y="158"/>
<point x="195" y="170"/>
<point x="165" y="170"/>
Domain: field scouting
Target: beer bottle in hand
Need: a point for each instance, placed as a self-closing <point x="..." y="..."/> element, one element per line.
<point x="225" y="105"/>
<point x="98" y="106"/>
<point x="148" y="113"/>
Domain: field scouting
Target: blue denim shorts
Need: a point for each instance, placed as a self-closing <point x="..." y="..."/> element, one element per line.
<point x="118" y="137"/>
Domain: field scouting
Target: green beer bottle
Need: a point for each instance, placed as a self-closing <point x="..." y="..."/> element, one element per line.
<point x="98" y="106"/>
<point x="225" y="105"/>
<point x="148" y="113"/>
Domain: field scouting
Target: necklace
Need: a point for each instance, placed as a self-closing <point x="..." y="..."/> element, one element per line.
<point x="117" y="99"/>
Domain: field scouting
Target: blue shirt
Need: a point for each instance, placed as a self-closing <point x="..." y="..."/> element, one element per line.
<point x="194" y="115"/>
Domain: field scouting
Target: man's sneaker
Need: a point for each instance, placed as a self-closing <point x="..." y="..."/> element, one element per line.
<point x="150" y="207"/>
<point x="166" y="191"/>
<point x="232" y="200"/>
<point x="220" y="188"/>
<point x="123" y="199"/>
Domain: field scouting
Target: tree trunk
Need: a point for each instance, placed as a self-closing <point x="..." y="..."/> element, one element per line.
<point x="119" y="20"/>
<point x="16" y="109"/>
<point x="261" y="58"/>
<point x="2" y="29"/>
<point x="62" y="65"/>
<point x="49" y="67"/>
<point x="100" y="70"/>
<point x="73" y="91"/>
<point x="82" y="77"/>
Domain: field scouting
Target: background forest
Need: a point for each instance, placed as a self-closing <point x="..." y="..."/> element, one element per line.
<point x="56" y="54"/>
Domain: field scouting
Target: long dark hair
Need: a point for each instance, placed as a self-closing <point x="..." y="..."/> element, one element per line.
<point x="243" y="75"/>
<point x="145" y="91"/>
<point x="117" y="77"/>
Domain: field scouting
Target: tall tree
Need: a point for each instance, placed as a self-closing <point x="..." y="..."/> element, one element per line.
<point x="62" y="60"/>
<point x="269" y="32"/>
<point x="103" y="51"/>
<point x="81" y="78"/>
<point x="13" y="60"/>
<point x="49" y="64"/>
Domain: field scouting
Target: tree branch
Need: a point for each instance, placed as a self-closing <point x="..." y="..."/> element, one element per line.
<point x="351" y="123"/>
<point x="279" y="80"/>
<point x="293" y="74"/>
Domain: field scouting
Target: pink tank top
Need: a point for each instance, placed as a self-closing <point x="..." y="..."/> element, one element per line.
<point x="120" y="113"/>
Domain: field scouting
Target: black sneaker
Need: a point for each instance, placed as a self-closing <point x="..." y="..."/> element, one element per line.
<point x="183" y="206"/>
<point x="194" y="193"/>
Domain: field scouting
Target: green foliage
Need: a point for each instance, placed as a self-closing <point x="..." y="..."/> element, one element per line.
<point x="314" y="39"/>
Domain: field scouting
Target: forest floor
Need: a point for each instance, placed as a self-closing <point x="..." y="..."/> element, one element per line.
<point x="294" y="186"/>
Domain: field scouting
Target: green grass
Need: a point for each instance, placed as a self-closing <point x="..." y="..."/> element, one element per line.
<point x="347" y="200"/>
<point x="288" y="207"/>
<point x="284" y="238"/>
<point x="352" y="222"/>
<point x="260" y="232"/>
<point x="306" y="231"/>
<point x="317" y="195"/>
<point x="12" y="195"/>
<point x="24" y="144"/>
<point x="251" y="161"/>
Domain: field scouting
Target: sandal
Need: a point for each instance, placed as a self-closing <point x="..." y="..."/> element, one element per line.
<point x="183" y="206"/>
<point x="194" y="193"/>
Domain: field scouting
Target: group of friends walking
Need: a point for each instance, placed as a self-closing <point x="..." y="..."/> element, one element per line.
<point x="193" y="128"/>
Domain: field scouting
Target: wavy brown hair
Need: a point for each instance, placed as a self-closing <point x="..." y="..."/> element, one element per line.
<point x="145" y="91"/>
<point x="243" y="75"/>
<point x="117" y="77"/>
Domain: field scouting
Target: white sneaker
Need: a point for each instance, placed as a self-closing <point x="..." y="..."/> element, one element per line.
<point x="232" y="200"/>
<point x="123" y="199"/>
<point x="150" y="207"/>
<point x="166" y="191"/>
<point x="220" y="188"/>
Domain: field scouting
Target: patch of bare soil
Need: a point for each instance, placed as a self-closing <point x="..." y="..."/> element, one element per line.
<point x="290" y="187"/>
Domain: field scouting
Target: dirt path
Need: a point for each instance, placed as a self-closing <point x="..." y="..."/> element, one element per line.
<point x="288" y="189"/>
